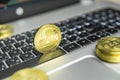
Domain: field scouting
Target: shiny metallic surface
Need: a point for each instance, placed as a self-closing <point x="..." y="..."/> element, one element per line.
<point x="107" y="57"/>
<point x="109" y="44"/>
<point x="5" y="30"/>
<point x="108" y="49"/>
<point x="47" y="38"/>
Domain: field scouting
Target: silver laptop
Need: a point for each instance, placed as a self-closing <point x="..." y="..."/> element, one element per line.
<point x="80" y="63"/>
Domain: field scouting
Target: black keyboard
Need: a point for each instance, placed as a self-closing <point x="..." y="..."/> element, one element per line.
<point x="17" y="52"/>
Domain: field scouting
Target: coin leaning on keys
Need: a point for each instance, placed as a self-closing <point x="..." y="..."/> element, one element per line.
<point x="108" y="49"/>
<point x="47" y="38"/>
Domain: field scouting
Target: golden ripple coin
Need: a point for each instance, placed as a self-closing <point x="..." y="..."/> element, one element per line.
<point x="108" y="49"/>
<point x="29" y="74"/>
<point x="47" y="38"/>
<point x="5" y="30"/>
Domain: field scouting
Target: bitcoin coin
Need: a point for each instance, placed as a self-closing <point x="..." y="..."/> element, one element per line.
<point x="107" y="57"/>
<point x="5" y="30"/>
<point x="29" y="74"/>
<point x="108" y="49"/>
<point x="111" y="44"/>
<point x="47" y="38"/>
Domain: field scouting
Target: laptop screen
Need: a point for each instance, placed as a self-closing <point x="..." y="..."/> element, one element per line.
<point x="16" y="9"/>
<point x="11" y="2"/>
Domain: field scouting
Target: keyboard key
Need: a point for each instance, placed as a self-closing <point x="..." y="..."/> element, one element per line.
<point x="63" y="42"/>
<point x="112" y="30"/>
<point x="19" y="37"/>
<point x="102" y="34"/>
<point x="9" y="41"/>
<point x="93" y="38"/>
<point x="3" y="57"/>
<point x="88" y="25"/>
<point x="2" y="66"/>
<point x="64" y="34"/>
<point x="62" y="29"/>
<point x="27" y="56"/>
<point x="1" y="45"/>
<point x="34" y="31"/>
<point x="70" y="32"/>
<point x="13" y="61"/>
<point x="37" y="53"/>
<point x="27" y="48"/>
<point x="97" y="28"/>
<point x="29" y="34"/>
<point x="29" y="41"/>
<point x="83" y="42"/>
<point x="118" y="27"/>
<point x="19" y="44"/>
<point x="82" y="34"/>
<point x="7" y="48"/>
<point x="15" y="52"/>
<point x="72" y="38"/>
<point x="79" y="28"/>
<point x="71" y="47"/>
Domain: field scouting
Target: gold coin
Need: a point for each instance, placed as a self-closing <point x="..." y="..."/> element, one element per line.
<point x="111" y="44"/>
<point x="29" y="74"/>
<point x="107" y="57"/>
<point x="108" y="49"/>
<point x="47" y="38"/>
<point x="5" y="30"/>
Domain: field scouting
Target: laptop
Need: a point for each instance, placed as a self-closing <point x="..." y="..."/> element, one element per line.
<point x="75" y="63"/>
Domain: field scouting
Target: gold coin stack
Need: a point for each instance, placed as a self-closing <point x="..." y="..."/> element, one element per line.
<point x="5" y="30"/>
<point x="108" y="49"/>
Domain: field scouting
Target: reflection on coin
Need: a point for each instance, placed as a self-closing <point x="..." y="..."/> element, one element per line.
<point x="5" y="30"/>
<point x="47" y="38"/>
<point x="29" y="74"/>
<point x="108" y="49"/>
<point x="51" y="55"/>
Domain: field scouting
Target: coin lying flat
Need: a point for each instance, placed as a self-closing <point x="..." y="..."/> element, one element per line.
<point x="5" y="30"/>
<point x="108" y="57"/>
<point x="108" y="49"/>
<point x="47" y="38"/>
<point x="29" y="74"/>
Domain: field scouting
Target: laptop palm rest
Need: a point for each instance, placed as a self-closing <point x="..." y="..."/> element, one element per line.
<point x="87" y="69"/>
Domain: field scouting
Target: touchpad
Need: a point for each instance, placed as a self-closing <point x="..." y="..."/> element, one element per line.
<point x="87" y="69"/>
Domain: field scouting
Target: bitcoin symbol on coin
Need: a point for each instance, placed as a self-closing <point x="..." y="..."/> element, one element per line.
<point x="47" y="38"/>
<point x="114" y="44"/>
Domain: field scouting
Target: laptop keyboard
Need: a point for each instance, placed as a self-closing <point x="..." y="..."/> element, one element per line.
<point x="17" y="52"/>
